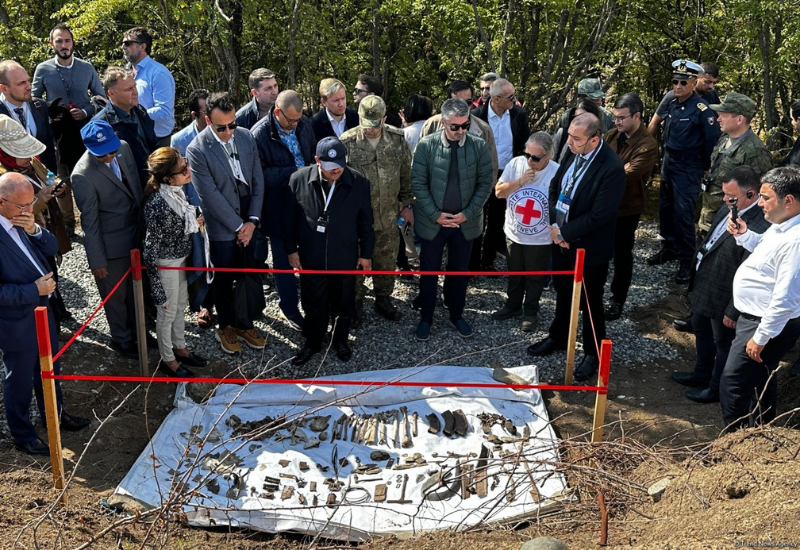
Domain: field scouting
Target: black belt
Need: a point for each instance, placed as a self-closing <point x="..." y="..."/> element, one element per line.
<point x="750" y="317"/>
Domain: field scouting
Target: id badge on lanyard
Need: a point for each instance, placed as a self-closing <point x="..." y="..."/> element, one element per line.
<point x="322" y="221"/>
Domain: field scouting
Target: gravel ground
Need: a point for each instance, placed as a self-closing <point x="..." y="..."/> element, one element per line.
<point x="381" y="344"/>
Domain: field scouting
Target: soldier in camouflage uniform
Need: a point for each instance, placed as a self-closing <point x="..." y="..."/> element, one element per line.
<point x="380" y="152"/>
<point x="737" y="146"/>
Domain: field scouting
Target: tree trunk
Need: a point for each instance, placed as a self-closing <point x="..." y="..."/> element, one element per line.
<point x="376" y="40"/>
<point x="506" y="33"/>
<point x="295" y="27"/>
<point x="486" y="43"/>
<point x="6" y="23"/>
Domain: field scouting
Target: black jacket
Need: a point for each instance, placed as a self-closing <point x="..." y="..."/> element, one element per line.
<point x="349" y="235"/>
<point x="794" y="155"/>
<point x="128" y="132"/>
<point x="593" y="212"/>
<point x="278" y="165"/>
<point x="247" y="116"/>
<point x="322" y="126"/>
<point x="519" y="126"/>
<point x="44" y="132"/>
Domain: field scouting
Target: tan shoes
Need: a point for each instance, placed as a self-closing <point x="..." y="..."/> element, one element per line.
<point x="252" y="338"/>
<point x="229" y="340"/>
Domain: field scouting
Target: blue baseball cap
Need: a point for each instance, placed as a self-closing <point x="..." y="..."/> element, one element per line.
<point x="99" y="138"/>
<point x="331" y="153"/>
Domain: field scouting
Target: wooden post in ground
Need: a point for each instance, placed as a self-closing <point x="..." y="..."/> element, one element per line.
<point x="50" y="402"/>
<point x="138" y="299"/>
<point x="600" y="402"/>
<point x="575" y="316"/>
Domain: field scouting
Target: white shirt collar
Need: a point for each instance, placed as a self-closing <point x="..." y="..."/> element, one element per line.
<point x="60" y="66"/>
<point x="333" y="120"/>
<point x="11" y="106"/>
<point x="492" y="114"/>
<point x="788" y="224"/>
<point x="213" y="133"/>
<point x="6" y="223"/>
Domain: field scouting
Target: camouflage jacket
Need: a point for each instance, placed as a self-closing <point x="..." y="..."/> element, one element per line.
<point x="388" y="169"/>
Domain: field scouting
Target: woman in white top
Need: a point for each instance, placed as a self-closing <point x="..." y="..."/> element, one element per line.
<point x="525" y="183"/>
<point x="416" y="111"/>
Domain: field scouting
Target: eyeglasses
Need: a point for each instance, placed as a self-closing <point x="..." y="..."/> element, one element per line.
<point x="534" y="158"/>
<point x="360" y="91"/>
<point x="183" y="171"/>
<point x="457" y="127"/>
<point x="222" y="127"/>
<point x="289" y="121"/>
<point x="22" y="207"/>
<point x="675" y="82"/>
<point x="621" y="118"/>
<point x="485" y="88"/>
<point x="127" y="43"/>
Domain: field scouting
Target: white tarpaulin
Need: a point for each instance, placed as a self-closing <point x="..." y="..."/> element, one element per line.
<point x="222" y="478"/>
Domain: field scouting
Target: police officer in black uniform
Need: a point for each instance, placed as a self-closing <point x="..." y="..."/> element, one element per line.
<point x="690" y="133"/>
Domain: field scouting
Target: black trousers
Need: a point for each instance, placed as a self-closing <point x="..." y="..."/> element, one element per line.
<point x="713" y="342"/>
<point x="327" y="297"/>
<point x="594" y="280"/>
<point x="624" y="238"/>
<point x="224" y="254"/>
<point x="430" y="259"/>
<point x="744" y="379"/>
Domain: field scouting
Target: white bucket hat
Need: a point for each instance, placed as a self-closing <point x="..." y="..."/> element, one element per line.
<point x="17" y="142"/>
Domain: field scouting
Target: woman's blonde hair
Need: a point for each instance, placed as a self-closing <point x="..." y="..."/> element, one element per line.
<point x="161" y="164"/>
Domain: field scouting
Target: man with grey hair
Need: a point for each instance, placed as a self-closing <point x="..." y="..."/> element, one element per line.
<point x="335" y="117"/>
<point x="285" y="143"/>
<point x="510" y="130"/>
<point x="449" y="210"/>
<point x="584" y="199"/>
<point x="485" y="85"/>
<point x="525" y="184"/>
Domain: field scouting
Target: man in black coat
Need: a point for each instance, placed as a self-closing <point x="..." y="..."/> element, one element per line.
<point x="510" y="130"/>
<point x="711" y="289"/>
<point x="585" y="195"/>
<point x="330" y="214"/>
<point x="285" y="144"/>
<point x="335" y="117"/>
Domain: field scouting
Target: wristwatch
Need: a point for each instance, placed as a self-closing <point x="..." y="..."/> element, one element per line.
<point x="255" y="221"/>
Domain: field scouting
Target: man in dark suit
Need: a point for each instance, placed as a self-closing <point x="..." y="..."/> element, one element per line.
<point x="17" y="102"/>
<point x="227" y="176"/>
<point x="109" y="195"/>
<point x="335" y="117"/>
<point x="585" y="195"/>
<point x="510" y="130"/>
<point x="25" y="284"/>
<point x="711" y="289"/>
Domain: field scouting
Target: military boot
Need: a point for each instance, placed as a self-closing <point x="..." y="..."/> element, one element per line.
<point x="385" y="308"/>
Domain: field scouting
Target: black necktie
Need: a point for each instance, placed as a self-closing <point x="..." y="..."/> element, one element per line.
<point x="22" y="118"/>
<point x="579" y="163"/>
<point x="27" y="244"/>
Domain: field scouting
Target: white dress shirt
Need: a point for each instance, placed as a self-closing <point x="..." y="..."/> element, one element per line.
<point x="503" y="139"/>
<point x="9" y="228"/>
<point x="767" y="284"/>
<point x="337" y="125"/>
<point x="30" y="123"/>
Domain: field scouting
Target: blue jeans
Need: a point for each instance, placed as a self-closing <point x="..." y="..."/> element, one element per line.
<point x="285" y="282"/>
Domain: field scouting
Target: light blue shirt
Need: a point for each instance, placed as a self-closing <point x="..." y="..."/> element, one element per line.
<point x="30" y="122"/>
<point x="181" y="140"/>
<point x="503" y="140"/>
<point x="156" y="89"/>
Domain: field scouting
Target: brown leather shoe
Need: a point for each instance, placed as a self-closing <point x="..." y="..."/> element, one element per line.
<point x="228" y="340"/>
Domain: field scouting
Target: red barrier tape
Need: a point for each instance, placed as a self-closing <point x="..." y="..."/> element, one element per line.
<point x="89" y="320"/>
<point x="362" y="272"/>
<point x="84" y="378"/>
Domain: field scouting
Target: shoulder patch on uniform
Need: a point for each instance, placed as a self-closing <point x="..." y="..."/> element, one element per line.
<point x="348" y="134"/>
<point x="702" y="106"/>
<point x="711" y="120"/>
<point x="392" y="130"/>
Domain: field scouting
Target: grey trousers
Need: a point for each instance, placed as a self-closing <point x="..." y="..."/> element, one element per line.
<point x="120" y="307"/>
<point x="526" y="290"/>
<point x="170" y="317"/>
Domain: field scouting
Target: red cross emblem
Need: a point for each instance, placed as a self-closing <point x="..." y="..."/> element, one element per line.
<point x="528" y="211"/>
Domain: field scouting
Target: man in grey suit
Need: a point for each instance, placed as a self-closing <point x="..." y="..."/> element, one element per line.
<point x="73" y="81"/>
<point x="711" y="286"/>
<point x="109" y="194"/>
<point x="226" y="173"/>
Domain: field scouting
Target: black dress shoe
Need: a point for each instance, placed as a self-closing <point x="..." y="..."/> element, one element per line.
<point x="73" y="423"/>
<point x="35" y="447"/>
<point x="586" y="369"/>
<point x="684" y="274"/>
<point x="706" y="395"/>
<point x="127" y="349"/>
<point x="343" y="351"/>
<point x="545" y="347"/>
<point x="304" y="356"/>
<point x="192" y="360"/>
<point x="683" y="325"/>
<point x="180" y="372"/>
<point x="662" y="256"/>
<point x="690" y="379"/>
<point x="613" y="310"/>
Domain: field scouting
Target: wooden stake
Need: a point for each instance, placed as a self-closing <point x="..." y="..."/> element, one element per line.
<point x="573" y="321"/>
<point x="50" y="402"/>
<point x="600" y="401"/>
<point x="138" y="298"/>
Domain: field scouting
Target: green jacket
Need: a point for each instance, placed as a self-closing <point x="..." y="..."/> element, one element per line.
<point x="429" y="173"/>
<point x="388" y="169"/>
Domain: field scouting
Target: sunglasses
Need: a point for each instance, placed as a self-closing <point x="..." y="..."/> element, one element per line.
<point x="485" y="88"/>
<point x="222" y="127"/>
<point x="360" y="91"/>
<point x="675" y="82"/>
<point x="22" y="207"/>
<point x="511" y="98"/>
<point x="127" y="43"/>
<point x="183" y="171"/>
<point x="112" y="154"/>
<point x="457" y="127"/>
<point x="534" y="158"/>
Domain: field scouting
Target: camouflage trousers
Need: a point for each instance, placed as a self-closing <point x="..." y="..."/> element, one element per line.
<point x="384" y="258"/>
<point x="712" y="200"/>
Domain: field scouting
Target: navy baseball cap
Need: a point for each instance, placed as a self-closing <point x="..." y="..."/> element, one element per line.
<point x="99" y="138"/>
<point x="331" y="153"/>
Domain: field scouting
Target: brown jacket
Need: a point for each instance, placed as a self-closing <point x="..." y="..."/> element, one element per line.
<point x="639" y="154"/>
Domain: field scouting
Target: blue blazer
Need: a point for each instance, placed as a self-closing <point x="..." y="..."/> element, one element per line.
<point x="18" y="294"/>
